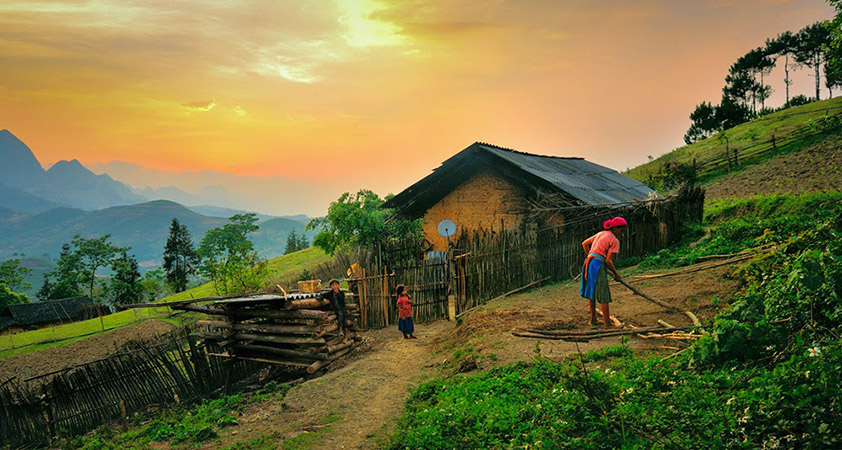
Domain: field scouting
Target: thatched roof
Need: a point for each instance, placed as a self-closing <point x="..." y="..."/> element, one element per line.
<point x="582" y="182"/>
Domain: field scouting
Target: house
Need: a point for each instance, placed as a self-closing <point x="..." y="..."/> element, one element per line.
<point x="490" y="188"/>
<point x="53" y="311"/>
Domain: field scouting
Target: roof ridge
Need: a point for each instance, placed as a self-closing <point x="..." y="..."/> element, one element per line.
<point x="525" y="153"/>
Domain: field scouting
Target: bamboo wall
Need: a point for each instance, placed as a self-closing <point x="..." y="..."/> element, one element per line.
<point x="82" y="398"/>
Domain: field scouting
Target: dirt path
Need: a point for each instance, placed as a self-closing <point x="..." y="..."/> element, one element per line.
<point x="352" y="407"/>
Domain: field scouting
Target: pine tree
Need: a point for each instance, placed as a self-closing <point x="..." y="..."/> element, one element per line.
<point x="180" y="258"/>
<point x="292" y="243"/>
<point x="67" y="274"/>
<point x="126" y="287"/>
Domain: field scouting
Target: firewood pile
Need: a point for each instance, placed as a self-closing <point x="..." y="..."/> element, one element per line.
<point x="296" y="330"/>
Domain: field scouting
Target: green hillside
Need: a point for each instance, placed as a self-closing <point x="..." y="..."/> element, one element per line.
<point x="752" y="140"/>
<point x="281" y="269"/>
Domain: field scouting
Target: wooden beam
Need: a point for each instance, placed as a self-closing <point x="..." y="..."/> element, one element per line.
<point x="279" y="339"/>
<point x="281" y="351"/>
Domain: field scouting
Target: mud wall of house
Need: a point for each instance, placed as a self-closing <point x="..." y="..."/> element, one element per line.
<point x="486" y="201"/>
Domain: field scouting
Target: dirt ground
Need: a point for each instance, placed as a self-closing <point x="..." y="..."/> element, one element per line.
<point x="351" y="407"/>
<point x="93" y="348"/>
<point x="815" y="168"/>
<point x="487" y="333"/>
<point x="355" y="406"/>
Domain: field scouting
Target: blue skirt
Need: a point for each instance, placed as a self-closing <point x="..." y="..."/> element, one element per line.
<point x="406" y="326"/>
<point x="594" y="283"/>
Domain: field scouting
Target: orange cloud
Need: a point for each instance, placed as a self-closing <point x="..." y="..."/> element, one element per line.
<point x="200" y="106"/>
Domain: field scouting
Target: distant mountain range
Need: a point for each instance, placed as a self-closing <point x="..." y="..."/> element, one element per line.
<point x="42" y="209"/>
<point x="27" y="187"/>
<point x="143" y="227"/>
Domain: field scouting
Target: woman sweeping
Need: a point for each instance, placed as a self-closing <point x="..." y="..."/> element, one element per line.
<point x="601" y="249"/>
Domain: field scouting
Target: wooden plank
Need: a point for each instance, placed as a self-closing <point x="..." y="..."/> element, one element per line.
<point x="279" y="339"/>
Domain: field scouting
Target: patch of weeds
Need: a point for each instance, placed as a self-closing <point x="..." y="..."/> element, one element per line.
<point x="614" y="351"/>
<point x="186" y="426"/>
<point x="498" y="344"/>
<point x="305" y="441"/>
<point x="259" y="443"/>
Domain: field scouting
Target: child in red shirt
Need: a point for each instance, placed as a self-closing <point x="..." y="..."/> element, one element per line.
<point x="405" y="324"/>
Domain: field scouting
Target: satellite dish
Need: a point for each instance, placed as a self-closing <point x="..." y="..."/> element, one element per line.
<point x="447" y="228"/>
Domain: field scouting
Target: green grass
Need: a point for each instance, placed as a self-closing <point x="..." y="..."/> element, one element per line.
<point x="281" y="269"/>
<point x="742" y="136"/>
<point x="181" y="426"/>
<point x="738" y="225"/>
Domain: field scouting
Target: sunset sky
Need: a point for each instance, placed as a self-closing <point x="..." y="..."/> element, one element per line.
<point x="368" y="93"/>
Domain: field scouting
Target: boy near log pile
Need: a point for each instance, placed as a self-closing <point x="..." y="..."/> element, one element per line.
<point x="601" y="249"/>
<point x="337" y="303"/>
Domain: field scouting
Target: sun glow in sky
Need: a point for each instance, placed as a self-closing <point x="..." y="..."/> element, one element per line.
<point x="371" y="93"/>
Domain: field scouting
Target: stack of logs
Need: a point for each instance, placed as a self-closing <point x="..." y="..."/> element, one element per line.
<point x="298" y="331"/>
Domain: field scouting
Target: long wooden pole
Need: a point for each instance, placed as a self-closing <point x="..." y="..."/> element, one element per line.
<point x="648" y="297"/>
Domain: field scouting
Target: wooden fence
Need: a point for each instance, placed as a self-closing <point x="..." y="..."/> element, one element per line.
<point x="733" y="156"/>
<point x="179" y="368"/>
<point x="485" y="264"/>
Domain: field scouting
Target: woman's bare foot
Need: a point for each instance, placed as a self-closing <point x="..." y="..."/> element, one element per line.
<point x="593" y="322"/>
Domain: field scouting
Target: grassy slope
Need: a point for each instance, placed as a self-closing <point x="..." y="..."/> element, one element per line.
<point x="750" y="133"/>
<point x="280" y="268"/>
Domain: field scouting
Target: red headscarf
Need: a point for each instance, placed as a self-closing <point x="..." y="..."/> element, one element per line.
<point x="615" y="222"/>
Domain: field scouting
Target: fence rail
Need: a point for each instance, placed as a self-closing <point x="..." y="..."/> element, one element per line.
<point x="732" y="157"/>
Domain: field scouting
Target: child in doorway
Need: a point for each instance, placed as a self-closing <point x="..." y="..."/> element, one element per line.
<point x="600" y="250"/>
<point x="405" y="324"/>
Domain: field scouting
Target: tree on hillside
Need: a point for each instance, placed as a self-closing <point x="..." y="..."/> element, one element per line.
<point x="125" y="287"/>
<point x="13" y="274"/>
<point x="93" y="254"/>
<point x="9" y="297"/>
<point x="154" y="285"/>
<point x="358" y="220"/>
<point x="760" y="64"/>
<point x="833" y="64"/>
<point x="785" y="44"/>
<point x="67" y="275"/>
<point x="228" y="257"/>
<point x="731" y="113"/>
<point x="296" y="242"/>
<point x="812" y="42"/>
<point x="740" y="86"/>
<point x="180" y="258"/>
<point x="704" y="123"/>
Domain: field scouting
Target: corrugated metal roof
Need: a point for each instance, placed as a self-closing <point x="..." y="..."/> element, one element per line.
<point x="588" y="182"/>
